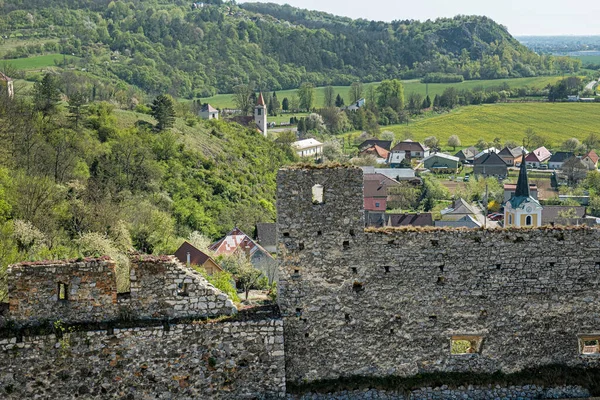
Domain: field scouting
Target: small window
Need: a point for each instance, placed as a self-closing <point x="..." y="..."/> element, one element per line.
<point x="376" y="204"/>
<point x="589" y="345"/>
<point x="510" y="219"/>
<point x="259" y="111"/>
<point x="317" y="194"/>
<point x="465" y="344"/>
<point x="63" y="291"/>
<point x="182" y="289"/>
<point x="528" y="220"/>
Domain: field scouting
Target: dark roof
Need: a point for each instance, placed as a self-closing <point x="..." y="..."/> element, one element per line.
<point x="467" y="154"/>
<point x="197" y="257"/>
<point x="385" y="144"/>
<point x="409" y="145"/>
<point x="550" y="214"/>
<point x="422" y="219"/>
<point x="523" y="182"/>
<point x="266" y="234"/>
<point x="490" y="159"/>
<point x="514" y="153"/>
<point x="560" y="156"/>
<point x="460" y="206"/>
<point x="207" y="108"/>
<point x="375" y="188"/>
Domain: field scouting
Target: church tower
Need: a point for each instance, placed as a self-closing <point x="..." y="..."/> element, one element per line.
<point x="522" y="209"/>
<point x="260" y="114"/>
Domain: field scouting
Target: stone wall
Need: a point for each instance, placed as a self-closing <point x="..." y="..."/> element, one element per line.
<point x="380" y="303"/>
<point x="161" y="288"/>
<point x="210" y="360"/>
<point x="91" y="291"/>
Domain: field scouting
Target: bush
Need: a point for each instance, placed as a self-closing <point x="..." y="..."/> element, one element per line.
<point x="442" y="78"/>
<point x="222" y="281"/>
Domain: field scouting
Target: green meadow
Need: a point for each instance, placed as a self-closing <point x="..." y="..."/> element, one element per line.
<point x="36" y="62"/>
<point x="508" y="121"/>
<point x="410" y="86"/>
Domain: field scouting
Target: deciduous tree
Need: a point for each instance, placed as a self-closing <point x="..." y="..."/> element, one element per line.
<point x="454" y="141"/>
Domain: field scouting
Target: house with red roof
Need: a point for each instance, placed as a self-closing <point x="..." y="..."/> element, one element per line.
<point x="375" y="191"/>
<point x="537" y="157"/>
<point x="591" y="160"/>
<point x="238" y="241"/>
<point x="380" y="153"/>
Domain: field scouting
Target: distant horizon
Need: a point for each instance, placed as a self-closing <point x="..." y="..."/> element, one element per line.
<point x="521" y="18"/>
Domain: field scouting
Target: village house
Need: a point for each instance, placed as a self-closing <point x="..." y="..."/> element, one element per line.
<point x="486" y="151"/>
<point x="467" y="221"/>
<point x="308" y="148"/>
<point x="590" y="160"/>
<point x="189" y="255"/>
<point x="537" y="157"/>
<point x="441" y="163"/>
<point x="384" y="144"/>
<point x="409" y="219"/>
<point x="356" y="105"/>
<point x="563" y="215"/>
<point x="522" y="210"/>
<point x="397" y="174"/>
<point x="208" y="112"/>
<point x="375" y="191"/>
<point x="490" y="164"/>
<point x="459" y="209"/>
<point x="238" y="241"/>
<point x="266" y="236"/>
<point x="511" y="157"/>
<point x="408" y="150"/>
<point x="380" y="153"/>
<point x="467" y="156"/>
<point x="557" y="159"/>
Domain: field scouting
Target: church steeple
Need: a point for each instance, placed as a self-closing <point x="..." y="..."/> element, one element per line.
<point x="523" y="182"/>
<point x="260" y="114"/>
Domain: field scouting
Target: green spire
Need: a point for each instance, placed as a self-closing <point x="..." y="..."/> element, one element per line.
<point x="523" y="182"/>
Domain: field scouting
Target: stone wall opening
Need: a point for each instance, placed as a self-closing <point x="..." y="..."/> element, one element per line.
<point x="317" y="194"/>
<point x="63" y="291"/>
<point x="589" y="345"/>
<point x="465" y="344"/>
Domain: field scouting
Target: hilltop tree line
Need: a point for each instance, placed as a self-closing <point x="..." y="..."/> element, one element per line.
<point x="172" y="47"/>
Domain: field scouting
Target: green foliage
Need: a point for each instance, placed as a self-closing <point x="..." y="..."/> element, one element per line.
<point x="306" y="94"/>
<point x="46" y="94"/>
<point x="222" y="281"/>
<point x="163" y="110"/>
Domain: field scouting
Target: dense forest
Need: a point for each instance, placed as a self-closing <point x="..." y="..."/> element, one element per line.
<point x="197" y="50"/>
<point x="81" y="178"/>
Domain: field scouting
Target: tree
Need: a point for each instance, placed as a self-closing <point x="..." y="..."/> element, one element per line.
<point x="339" y="101"/>
<point x="482" y="144"/>
<point x="574" y="169"/>
<point x="449" y="98"/>
<point x="426" y="102"/>
<point x="391" y="94"/>
<point x="454" y="141"/>
<point x="404" y="196"/>
<point x="242" y="98"/>
<point x="571" y="145"/>
<point x="306" y="94"/>
<point x="329" y="97"/>
<point x="163" y="110"/>
<point x="356" y="92"/>
<point x="285" y="104"/>
<point x="591" y="142"/>
<point x="46" y="95"/>
<point x="533" y="140"/>
<point x="432" y="142"/>
<point x="436" y="102"/>
<point x="274" y="105"/>
<point x="77" y="104"/>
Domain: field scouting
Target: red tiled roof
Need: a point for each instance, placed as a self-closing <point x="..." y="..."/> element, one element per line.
<point x="377" y="151"/>
<point x="592" y="156"/>
<point x="539" y="155"/>
<point x="261" y="100"/>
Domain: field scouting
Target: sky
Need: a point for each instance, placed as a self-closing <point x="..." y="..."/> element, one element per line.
<point x="521" y="17"/>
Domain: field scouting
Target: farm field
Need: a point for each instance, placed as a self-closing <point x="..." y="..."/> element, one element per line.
<point x="36" y="62"/>
<point x="554" y="121"/>
<point x="410" y="86"/>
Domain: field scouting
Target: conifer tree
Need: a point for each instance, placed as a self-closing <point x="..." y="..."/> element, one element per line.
<point x="163" y="110"/>
<point x="339" y="101"/>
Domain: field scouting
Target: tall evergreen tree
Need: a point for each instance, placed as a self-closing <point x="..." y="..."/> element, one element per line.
<point x="46" y="95"/>
<point x="163" y="109"/>
<point x="285" y="104"/>
<point x="339" y="101"/>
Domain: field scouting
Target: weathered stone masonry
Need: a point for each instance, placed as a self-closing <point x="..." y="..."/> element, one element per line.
<point x="388" y="303"/>
<point x="153" y="342"/>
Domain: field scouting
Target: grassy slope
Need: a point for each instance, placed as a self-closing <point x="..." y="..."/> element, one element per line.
<point x="226" y="100"/>
<point x="554" y="121"/>
<point x="31" y="63"/>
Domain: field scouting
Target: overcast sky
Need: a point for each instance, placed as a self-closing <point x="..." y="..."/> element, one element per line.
<point x="522" y="17"/>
